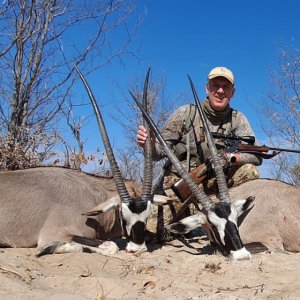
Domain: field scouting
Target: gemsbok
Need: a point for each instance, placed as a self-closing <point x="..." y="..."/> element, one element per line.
<point x="272" y="224"/>
<point x="61" y="210"/>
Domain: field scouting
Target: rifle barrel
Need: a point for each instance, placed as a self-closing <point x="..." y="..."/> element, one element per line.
<point x="284" y="150"/>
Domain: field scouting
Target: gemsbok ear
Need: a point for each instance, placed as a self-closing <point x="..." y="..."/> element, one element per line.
<point x="188" y="224"/>
<point x="243" y="207"/>
<point x="162" y="200"/>
<point x="108" y="205"/>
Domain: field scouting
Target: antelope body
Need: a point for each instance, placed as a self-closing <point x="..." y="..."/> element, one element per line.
<point x="43" y="207"/>
<point x="274" y="220"/>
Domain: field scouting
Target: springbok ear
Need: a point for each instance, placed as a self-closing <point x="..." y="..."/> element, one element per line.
<point x="162" y="200"/>
<point x="243" y="207"/>
<point x="188" y="224"/>
<point x="104" y="207"/>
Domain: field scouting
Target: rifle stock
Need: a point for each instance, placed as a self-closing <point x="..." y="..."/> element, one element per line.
<point x="181" y="188"/>
<point x="244" y="147"/>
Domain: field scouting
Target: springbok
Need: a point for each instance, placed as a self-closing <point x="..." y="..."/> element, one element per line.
<point x="61" y="210"/>
<point x="222" y="217"/>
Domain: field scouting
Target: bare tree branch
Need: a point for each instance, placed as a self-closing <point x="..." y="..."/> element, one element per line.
<point x="38" y="50"/>
<point x="281" y="111"/>
<point x="159" y="106"/>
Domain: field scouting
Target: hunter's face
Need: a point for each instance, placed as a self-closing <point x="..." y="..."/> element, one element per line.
<point x="219" y="91"/>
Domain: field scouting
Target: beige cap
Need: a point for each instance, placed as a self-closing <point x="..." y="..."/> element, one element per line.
<point x="221" y="72"/>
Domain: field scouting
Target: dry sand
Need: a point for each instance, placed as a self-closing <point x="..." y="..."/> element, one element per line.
<point x="174" y="271"/>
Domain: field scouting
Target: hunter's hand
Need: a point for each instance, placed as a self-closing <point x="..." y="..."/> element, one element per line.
<point x="142" y="137"/>
<point x="223" y="156"/>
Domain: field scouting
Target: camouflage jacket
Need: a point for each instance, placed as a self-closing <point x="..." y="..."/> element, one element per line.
<point x="193" y="139"/>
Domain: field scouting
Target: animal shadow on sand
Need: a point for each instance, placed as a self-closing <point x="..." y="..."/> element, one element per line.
<point x="199" y="244"/>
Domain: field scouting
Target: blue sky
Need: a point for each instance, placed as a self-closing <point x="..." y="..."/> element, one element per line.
<point x="191" y="37"/>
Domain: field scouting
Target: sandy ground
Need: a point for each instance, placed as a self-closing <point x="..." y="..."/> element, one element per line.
<point x="174" y="271"/>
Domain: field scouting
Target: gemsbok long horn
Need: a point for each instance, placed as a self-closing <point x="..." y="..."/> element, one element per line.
<point x="221" y="180"/>
<point x="197" y="191"/>
<point x="148" y="167"/>
<point x="123" y="193"/>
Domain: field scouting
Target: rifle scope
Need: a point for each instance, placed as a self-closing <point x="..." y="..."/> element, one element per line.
<point x="250" y="139"/>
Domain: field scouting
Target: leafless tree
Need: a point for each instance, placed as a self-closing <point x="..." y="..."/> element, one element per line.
<point x="37" y="53"/>
<point x="281" y="111"/>
<point x="74" y="158"/>
<point x="160" y="106"/>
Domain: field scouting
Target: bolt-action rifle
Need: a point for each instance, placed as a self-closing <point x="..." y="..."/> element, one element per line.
<point x="232" y="144"/>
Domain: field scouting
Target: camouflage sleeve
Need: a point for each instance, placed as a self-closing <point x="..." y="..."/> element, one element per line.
<point x="172" y="131"/>
<point x="244" y="128"/>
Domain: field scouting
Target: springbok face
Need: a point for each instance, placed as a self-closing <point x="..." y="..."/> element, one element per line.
<point x="133" y="213"/>
<point x="222" y="216"/>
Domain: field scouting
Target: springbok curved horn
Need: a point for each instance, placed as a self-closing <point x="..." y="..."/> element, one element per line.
<point x="123" y="193"/>
<point x="221" y="181"/>
<point x="148" y="169"/>
<point x="197" y="191"/>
